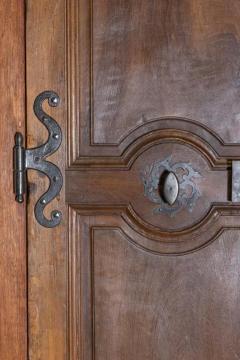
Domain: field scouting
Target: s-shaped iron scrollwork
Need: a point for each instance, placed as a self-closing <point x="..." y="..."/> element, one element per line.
<point x="35" y="158"/>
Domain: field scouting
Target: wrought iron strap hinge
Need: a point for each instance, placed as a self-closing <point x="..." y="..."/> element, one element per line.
<point x="35" y="158"/>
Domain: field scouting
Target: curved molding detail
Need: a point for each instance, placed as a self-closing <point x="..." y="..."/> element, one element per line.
<point x="82" y="148"/>
<point x="176" y="129"/>
<point x="218" y="221"/>
<point x="216" y="214"/>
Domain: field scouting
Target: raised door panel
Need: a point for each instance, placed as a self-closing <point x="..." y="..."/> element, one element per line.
<point x="128" y="302"/>
<point x="153" y="89"/>
<point x="131" y="62"/>
<point x="159" y="58"/>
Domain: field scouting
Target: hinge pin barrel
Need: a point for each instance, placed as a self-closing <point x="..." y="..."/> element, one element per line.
<point x="19" y="168"/>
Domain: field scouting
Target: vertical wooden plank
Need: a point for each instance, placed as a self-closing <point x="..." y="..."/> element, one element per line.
<point x="47" y="247"/>
<point x="13" y="311"/>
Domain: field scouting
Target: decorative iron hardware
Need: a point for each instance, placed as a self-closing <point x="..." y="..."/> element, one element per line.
<point x="235" y="181"/>
<point x="34" y="158"/>
<point x="171" y="186"/>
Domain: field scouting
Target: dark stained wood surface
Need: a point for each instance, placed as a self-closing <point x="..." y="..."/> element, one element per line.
<point x="13" y="295"/>
<point x="158" y="58"/>
<point x="130" y="63"/>
<point x="147" y="306"/>
<point x="150" y="81"/>
<point x="151" y="307"/>
<point x="145" y="81"/>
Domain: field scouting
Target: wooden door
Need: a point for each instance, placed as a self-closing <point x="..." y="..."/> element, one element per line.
<point x="148" y="89"/>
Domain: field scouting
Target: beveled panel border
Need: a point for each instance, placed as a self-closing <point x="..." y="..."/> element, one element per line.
<point x="154" y="240"/>
<point x="80" y="100"/>
<point x="80" y="181"/>
<point x="82" y="226"/>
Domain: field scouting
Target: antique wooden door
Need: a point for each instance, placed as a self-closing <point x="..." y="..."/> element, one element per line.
<point x="146" y="261"/>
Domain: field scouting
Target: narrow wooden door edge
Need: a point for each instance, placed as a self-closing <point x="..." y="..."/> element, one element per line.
<point x="47" y="248"/>
<point x="13" y="278"/>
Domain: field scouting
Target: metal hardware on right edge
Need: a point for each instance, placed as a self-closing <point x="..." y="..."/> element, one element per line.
<point x="34" y="158"/>
<point x="236" y="181"/>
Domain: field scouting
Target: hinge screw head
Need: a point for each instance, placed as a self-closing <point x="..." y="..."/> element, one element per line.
<point x="56" y="214"/>
<point x="54" y="101"/>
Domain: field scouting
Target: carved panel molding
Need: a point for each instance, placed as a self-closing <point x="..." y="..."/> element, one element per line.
<point x="129" y="114"/>
<point x="85" y="44"/>
<point x="120" y="164"/>
<point x="84" y="230"/>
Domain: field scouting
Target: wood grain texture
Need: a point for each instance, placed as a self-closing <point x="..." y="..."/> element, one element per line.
<point x="132" y="62"/>
<point x="13" y="298"/>
<point x="47" y="247"/>
<point x="147" y="80"/>
<point x="127" y="303"/>
<point x="159" y="58"/>
<point x="125" y="187"/>
<point x="164" y="308"/>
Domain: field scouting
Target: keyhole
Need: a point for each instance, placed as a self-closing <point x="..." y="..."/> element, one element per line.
<point x="168" y="187"/>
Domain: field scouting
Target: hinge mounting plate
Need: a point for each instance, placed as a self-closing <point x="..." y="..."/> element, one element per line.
<point x="35" y="158"/>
